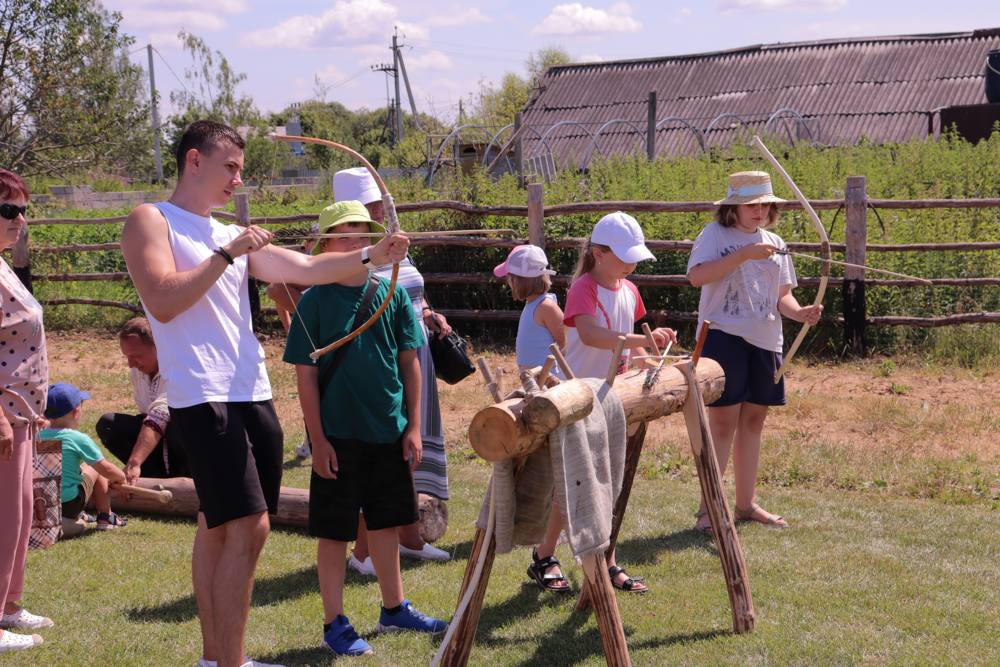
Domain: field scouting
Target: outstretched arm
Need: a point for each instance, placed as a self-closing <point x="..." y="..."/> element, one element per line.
<point x="281" y="265"/>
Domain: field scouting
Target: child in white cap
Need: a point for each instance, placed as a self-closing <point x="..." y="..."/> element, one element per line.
<point x="601" y="305"/>
<point x="746" y="286"/>
<point x="527" y="273"/>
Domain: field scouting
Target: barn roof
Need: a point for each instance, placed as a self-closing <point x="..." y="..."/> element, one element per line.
<point x="837" y="91"/>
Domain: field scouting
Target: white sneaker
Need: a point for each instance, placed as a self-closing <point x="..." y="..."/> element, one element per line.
<point x="303" y="451"/>
<point x="365" y="567"/>
<point x="10" y="641"/>
<point x="426" y="552"/>
<point x="22" y="619"/>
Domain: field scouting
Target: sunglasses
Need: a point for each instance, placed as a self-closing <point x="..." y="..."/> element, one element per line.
<point x="10" y="211"/>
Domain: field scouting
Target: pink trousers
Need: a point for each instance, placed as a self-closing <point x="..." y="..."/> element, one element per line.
<point x="15" y="515"/>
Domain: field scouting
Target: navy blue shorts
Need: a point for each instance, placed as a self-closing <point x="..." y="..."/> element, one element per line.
<point x="749" y="370"/>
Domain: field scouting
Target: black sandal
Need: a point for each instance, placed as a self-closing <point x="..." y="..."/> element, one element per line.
<point x="629" y="585"/>
<point x="538" y="572"/>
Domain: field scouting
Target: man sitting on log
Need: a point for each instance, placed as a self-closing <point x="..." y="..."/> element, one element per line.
<point x="143" y="442"/>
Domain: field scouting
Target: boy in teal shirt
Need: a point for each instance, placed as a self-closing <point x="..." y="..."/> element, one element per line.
<point x="364" y="426"/>
<point x="86" y="473"/>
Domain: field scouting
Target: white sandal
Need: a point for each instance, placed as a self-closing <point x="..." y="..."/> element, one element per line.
<point x="22" y="619"/>
<point x="10" y="641"/>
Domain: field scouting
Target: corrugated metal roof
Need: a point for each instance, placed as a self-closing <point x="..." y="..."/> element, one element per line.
<point x="885" y="89"/>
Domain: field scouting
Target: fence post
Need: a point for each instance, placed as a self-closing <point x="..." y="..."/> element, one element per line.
<point x="651" y="126"/>
<point x="856" y="238"/>
<point x="536" y="215"/>
<point x="20" y="258"/>
<point x="242" y="201"/>
<point x="518" y="148"/>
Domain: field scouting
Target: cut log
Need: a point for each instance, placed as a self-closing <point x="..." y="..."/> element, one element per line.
<point x="293" y="505"/>
<point x="518" y="426"/>
<point x="511" y="428"/>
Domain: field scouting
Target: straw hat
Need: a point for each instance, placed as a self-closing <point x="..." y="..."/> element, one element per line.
<point x="749" y="187"/>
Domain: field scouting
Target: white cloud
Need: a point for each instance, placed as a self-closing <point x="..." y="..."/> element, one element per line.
<point x="192" y="15"/>
<point x="429" y="60"/>
<point x="574" y="18"/>
<point x="589" y="58"/>
<point x="347" y="23"/>
<point x="728" y="6"/>
<point x="471" y="16"/>
<point x="685" y="12"/>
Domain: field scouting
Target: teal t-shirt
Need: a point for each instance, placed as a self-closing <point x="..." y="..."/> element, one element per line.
<point x="77" y="448"/>
<point x="364" y="400"/>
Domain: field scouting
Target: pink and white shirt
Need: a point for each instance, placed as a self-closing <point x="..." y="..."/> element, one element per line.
<point x="617" y="309"/>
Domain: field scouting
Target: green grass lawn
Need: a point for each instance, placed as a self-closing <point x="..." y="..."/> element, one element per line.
<point x="859" y="580"/>
<point x="869" y="574"/>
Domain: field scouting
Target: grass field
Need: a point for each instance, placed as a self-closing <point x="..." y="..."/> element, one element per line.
<point x="888" y="471"/>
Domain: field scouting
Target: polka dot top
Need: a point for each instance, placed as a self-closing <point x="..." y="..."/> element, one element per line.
<point x="24" y="366"/>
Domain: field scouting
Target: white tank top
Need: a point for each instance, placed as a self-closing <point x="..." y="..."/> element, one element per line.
<point x="209" y="352"/>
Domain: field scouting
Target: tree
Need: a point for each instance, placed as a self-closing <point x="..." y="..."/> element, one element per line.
<point x="69" y="97"/>
<point x="496" y="107"/>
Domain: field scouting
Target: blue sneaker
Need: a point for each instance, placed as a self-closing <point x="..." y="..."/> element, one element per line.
<point x="342" y="639"/>
<point x="409" y="618"/>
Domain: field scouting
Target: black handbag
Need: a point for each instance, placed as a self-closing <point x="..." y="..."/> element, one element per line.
<point x="451" y="360"/>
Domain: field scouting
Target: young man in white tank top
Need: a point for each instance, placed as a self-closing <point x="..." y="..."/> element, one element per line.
<point x="191" y="273"/>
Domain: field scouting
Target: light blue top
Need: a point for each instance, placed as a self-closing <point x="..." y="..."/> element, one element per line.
<point x="533" y="339"/>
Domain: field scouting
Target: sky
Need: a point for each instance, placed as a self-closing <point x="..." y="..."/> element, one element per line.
<point x="454" y="47"/>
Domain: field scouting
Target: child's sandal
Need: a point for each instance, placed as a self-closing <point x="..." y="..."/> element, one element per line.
<point x="750" y="514"/>
<point x="538" y="572"/>
<point x="630" y="585"/>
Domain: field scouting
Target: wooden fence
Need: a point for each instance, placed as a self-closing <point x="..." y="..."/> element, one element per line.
<point x="855" y="204"/>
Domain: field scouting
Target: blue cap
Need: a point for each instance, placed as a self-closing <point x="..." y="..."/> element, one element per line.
<point x="63" y="397"/>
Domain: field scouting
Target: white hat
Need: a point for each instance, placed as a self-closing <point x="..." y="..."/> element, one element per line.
<point x="356" y="184"/>
<point x="620" y="232"/>
<point x="527" y="261"/>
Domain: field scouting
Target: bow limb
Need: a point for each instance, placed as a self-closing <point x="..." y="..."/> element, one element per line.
<point x="824" y="250"/>
<point x="391" y="224"/>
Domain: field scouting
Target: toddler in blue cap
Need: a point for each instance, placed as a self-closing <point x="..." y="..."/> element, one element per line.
<point x="86" y="474"/>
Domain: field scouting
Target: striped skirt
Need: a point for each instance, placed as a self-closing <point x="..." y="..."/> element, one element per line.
<point x="431" y="476"/>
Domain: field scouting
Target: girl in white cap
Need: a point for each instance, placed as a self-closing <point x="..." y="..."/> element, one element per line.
<point x="527" y="273"/>
<point x="746" y="286"/>
<point x="601" y="305"/>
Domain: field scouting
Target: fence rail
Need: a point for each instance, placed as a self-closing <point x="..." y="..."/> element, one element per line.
<point x="856" y="204"/>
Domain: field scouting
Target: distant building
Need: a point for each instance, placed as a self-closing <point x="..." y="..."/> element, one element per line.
<point x="838" y="91"/>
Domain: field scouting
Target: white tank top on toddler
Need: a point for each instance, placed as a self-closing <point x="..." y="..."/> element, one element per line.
<point x="209" y="353"/>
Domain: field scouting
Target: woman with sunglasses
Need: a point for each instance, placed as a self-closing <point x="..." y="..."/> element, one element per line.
<point x="24" y="378"/>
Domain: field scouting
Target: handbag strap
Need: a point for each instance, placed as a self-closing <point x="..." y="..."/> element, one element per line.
<point x="338" y="356"/>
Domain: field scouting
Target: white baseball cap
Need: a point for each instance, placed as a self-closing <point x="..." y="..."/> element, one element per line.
<point x="527" y="261"/>
<point x="355" y="184"/>
<point x="620" y="232"/>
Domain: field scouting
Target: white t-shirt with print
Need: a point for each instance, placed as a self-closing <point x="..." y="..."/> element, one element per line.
<point x="745" y="302"/>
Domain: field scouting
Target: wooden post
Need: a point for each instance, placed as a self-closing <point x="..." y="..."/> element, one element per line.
<point x="536" y="215"/>
<point x="651" y="126"/>
<point x="518" y="148"/>
<point x="855" y="310"/>
<point x="456" y="654"/>
<point x="609" y="620"/>
<point x="20" y="258"/>
<point x="242" y="201"/>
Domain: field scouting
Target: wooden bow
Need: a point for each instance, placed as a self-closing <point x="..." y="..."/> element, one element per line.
<point x="391" y="226"/>
<point x="824" y="250"/>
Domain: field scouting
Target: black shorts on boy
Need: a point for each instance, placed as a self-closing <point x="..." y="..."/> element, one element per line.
<point x="371" y="477"/>
<point x="749" y="370"/>
<point x="235" y="454"/>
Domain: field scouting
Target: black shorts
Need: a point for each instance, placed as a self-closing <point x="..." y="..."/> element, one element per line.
<point x="749" y="370"/>
<point x="235" y="453"/>
<point x="373" y="478"/>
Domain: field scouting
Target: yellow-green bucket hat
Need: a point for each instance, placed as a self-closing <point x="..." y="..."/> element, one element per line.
<point x="342" y="213"/>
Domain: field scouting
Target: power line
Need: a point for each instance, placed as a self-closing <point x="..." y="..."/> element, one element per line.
<point x="171" y="70"/>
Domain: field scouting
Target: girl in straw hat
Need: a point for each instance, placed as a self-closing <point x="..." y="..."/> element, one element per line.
<point x="746" y="286"/>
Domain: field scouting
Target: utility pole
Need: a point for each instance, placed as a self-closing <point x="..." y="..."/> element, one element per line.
<point x="155" y="117"/>
<point x="390" y="123"/>
<point x="395" y="76"/>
